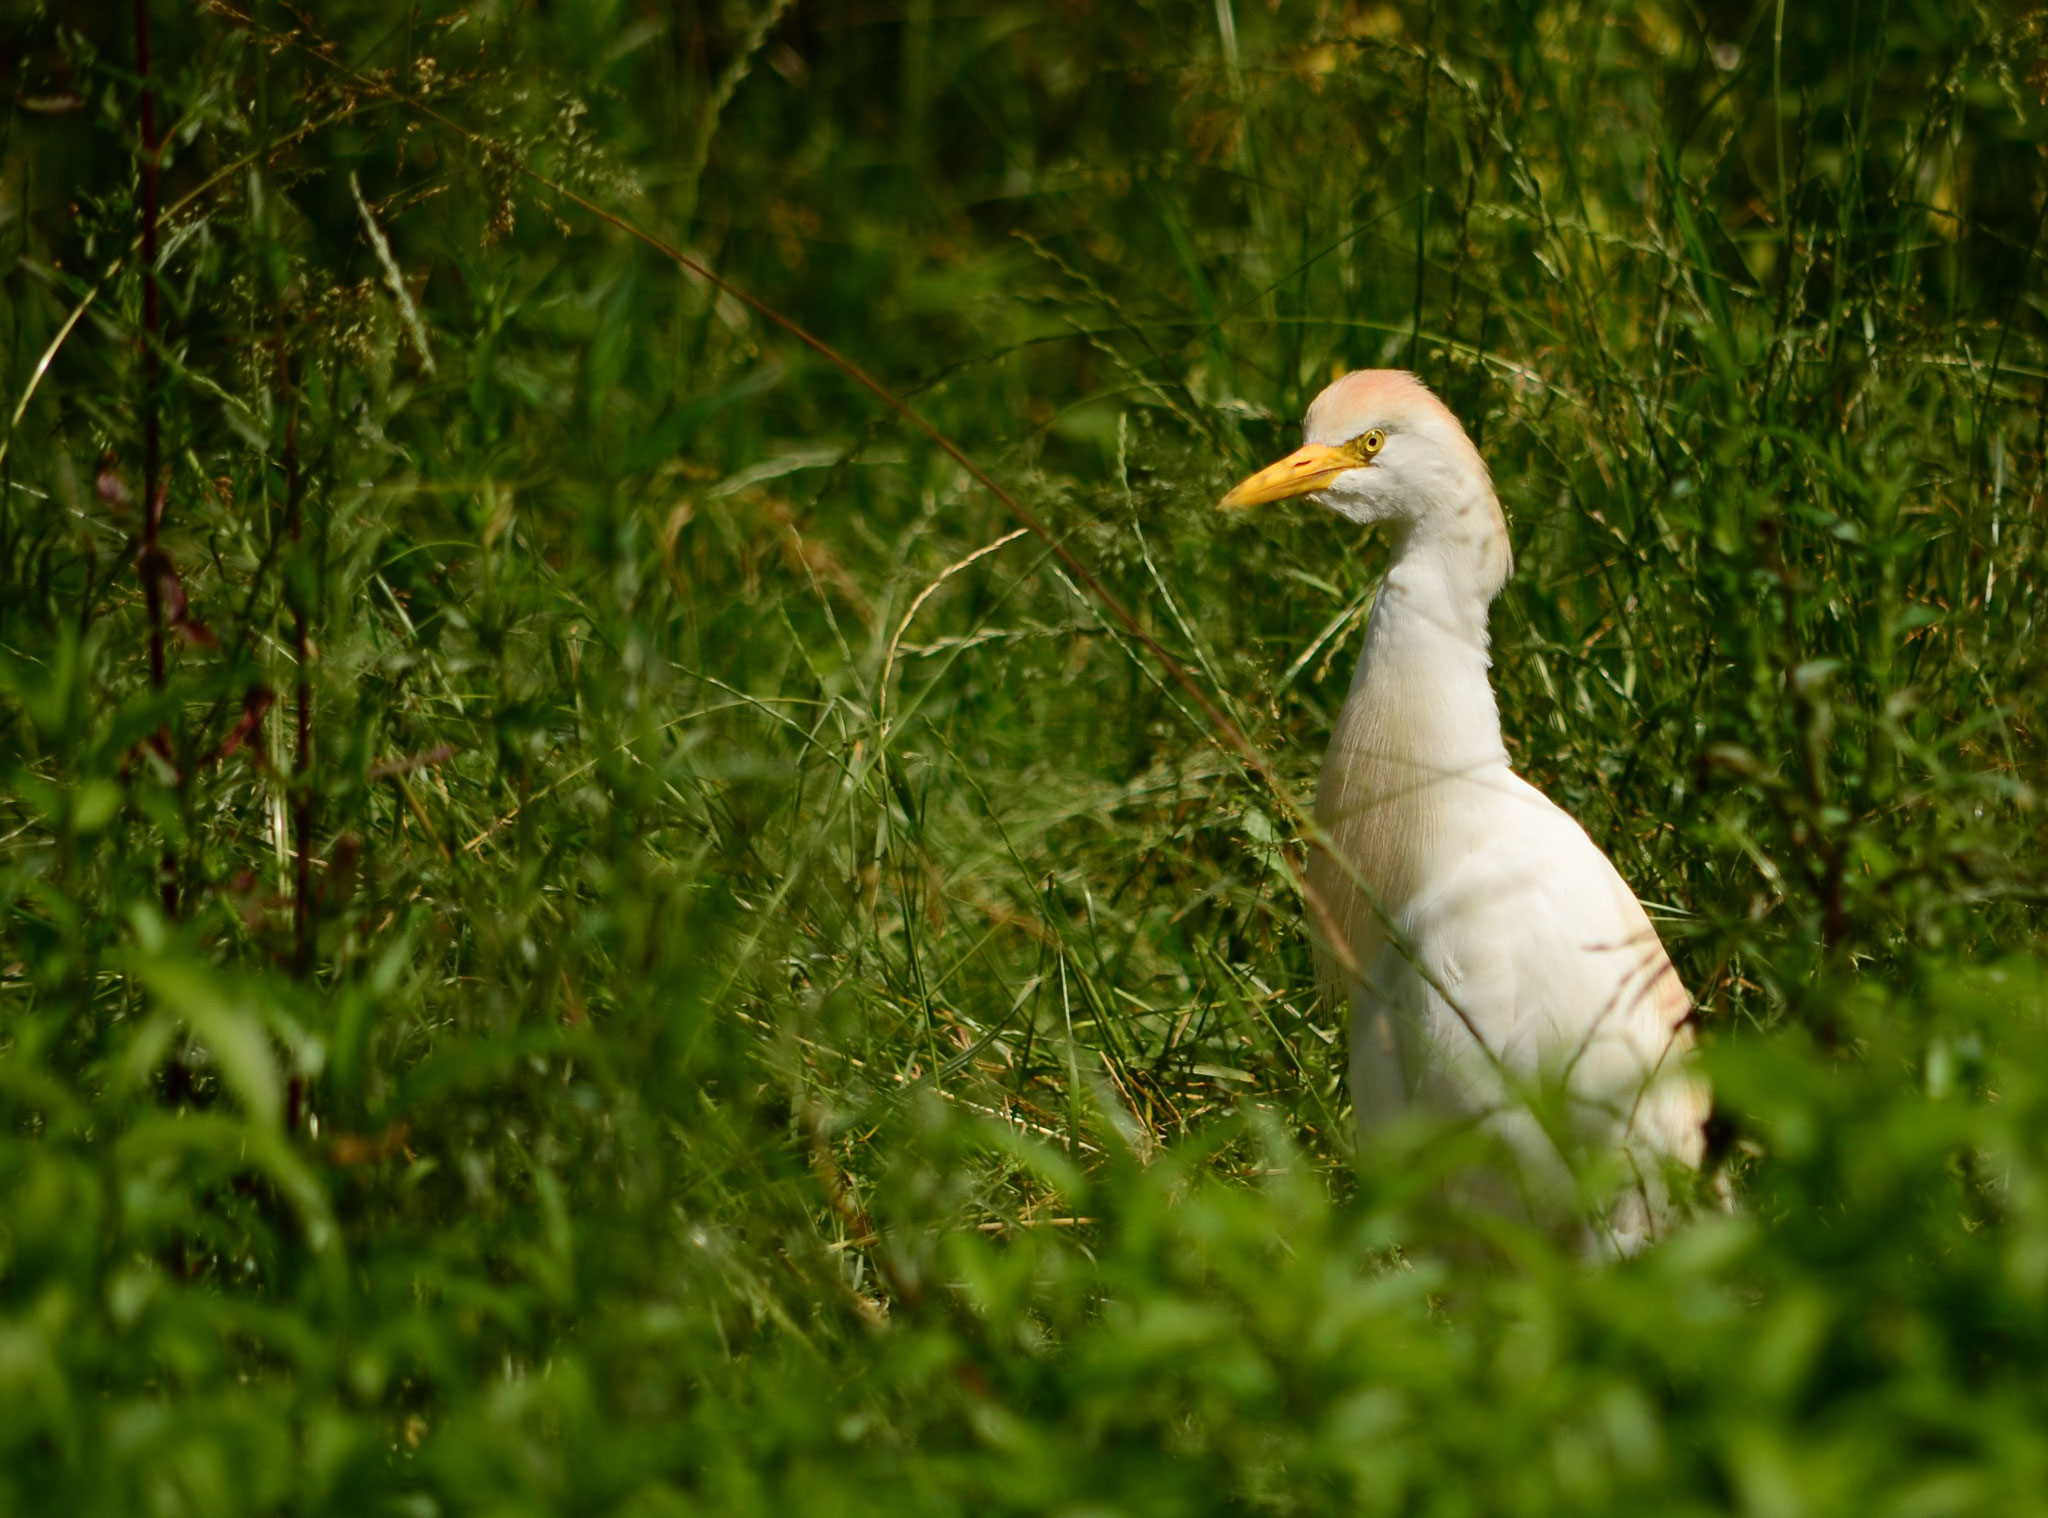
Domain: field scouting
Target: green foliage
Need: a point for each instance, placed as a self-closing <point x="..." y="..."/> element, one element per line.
<point x="648" y="955"/>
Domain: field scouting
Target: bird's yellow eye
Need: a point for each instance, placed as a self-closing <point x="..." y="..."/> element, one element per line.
<point x="1365" y="445"/>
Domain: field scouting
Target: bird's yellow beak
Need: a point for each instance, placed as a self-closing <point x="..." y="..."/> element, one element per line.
<point x="1307" y="469"/>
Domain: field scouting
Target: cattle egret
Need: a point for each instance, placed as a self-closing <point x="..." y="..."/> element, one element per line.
<point x="1496" y="953"/>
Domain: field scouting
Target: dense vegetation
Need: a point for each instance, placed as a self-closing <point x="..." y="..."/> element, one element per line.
<point x="587" y="924"/>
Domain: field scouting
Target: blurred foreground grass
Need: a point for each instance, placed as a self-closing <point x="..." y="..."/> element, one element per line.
<point x="650" y="954"/>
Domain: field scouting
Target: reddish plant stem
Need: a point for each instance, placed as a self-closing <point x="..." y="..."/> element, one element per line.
<point x="151" y="558"/>
<point x="302" y="688"/>
<point x="152" y="490"/>
<point x="303" y="922"/>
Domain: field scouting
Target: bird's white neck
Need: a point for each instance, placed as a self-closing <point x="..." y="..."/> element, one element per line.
<point x="1447" y="576"/>
<point x="1421" y="723"/>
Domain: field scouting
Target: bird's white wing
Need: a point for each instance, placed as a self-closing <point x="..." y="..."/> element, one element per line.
<point x="1528" y="962"/>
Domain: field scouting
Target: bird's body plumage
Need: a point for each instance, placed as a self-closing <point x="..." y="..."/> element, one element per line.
<point x="1490" y="950"/>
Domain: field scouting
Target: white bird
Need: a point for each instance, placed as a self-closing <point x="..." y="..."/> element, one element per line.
<point x="1498" y="955"/>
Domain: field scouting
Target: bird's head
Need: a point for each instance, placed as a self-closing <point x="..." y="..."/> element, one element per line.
<point x="1379" y="448"/>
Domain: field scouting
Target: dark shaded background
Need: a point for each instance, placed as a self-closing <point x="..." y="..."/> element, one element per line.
<point x="640" y="958"/>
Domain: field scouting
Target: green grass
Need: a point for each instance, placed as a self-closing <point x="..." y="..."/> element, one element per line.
<point x="757" y="993"/>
